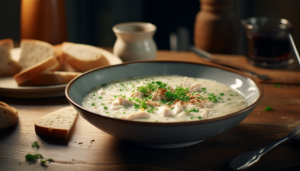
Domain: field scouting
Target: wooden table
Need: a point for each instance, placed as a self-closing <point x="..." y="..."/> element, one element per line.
<point x="109" y="153"/>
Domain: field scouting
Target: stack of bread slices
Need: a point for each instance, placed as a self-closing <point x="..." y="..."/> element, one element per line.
<point x="41" y="63"/>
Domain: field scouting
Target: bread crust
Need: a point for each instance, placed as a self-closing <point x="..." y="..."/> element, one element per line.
<point x="54" y="133"/>
<point x="52" y="78"/>
<point x="8" y="112"/>
<point x="32" y="72"/>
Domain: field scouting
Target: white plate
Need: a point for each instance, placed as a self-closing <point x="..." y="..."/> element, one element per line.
<point x="9" y="87"/>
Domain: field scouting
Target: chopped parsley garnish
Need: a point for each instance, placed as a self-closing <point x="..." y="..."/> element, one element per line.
<point x="213" y="98"/>
<point x="192" y="118"/>
<point x="221" y="94"/>
<point x="151" y="110"/>
<point x="179" y="93"/>
<point x="93" y="94"/>
<point x="143" y="89"/>
<point x="104" y="85"/>
<point x="204" y="89"/>
<point x="124" y="112"/>
<point x="161" y="85"/>
<point x="102" y="103"/>
<point x="194" y="110"/>
<point x="229" y="99"/>
<point x="107" y="112"/>
<point x="152" y="86"/>
<point x="136" y="106"/>
<point x="231" y="94"/>
<point x="277" y="85"/>
<point x="201" y="98"/>
<point x="100" y="97"/>
<point x="37" y="156"/>
<point x="199" y="117"/>
<point x="137" y="100"/>
<point x="105" y="107"/>
<point x="143" y="105"/>
<point x="122" y="85"/>
<point x="268" y="108"/>
<point x="93" y="104"/>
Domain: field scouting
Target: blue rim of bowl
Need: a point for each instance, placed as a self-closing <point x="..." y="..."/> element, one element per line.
<point x="204" y="121"/>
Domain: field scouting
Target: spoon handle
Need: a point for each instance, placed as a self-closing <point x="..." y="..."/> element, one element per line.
<point x="247" y="159"/>
<point x="294" y="47"/>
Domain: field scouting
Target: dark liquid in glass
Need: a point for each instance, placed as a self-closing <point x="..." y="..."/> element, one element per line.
<point x="268" y="49"/>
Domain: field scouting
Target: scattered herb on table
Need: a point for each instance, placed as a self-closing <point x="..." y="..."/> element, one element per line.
<point x="268" y="108"/>
<point x="37" y="156"/>
<point x="277" y="85"/>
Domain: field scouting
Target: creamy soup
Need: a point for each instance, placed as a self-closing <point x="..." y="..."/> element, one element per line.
<point x="164" y="99"/>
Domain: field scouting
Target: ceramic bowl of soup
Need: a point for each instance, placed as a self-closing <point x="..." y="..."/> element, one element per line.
<point x="164" y="104"/>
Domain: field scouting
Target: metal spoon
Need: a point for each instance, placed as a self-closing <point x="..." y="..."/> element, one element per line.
<point x="294" y="47"/>
<point x="245" y="160"/>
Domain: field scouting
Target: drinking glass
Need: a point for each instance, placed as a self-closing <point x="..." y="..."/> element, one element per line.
<point x="267" y="42"/>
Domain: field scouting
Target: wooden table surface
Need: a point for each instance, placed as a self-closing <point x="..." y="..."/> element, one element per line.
<point x="109" y="153"/>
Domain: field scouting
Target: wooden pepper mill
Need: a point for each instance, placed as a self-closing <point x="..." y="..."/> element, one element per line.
<point x="216" y="27"/>
<point x="44" y="20"/>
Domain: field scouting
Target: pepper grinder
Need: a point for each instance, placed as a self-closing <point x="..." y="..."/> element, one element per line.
<point x="215" y="28"/>
<point x="44" y="20"/>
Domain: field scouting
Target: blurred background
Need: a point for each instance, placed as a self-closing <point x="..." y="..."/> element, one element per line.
<point x="91" y="21"/>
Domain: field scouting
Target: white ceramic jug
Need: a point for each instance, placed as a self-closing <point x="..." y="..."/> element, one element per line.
<point x="135" y="41"/>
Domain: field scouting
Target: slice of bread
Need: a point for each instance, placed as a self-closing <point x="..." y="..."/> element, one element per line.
<point x="83" y="57"/>
<point x="37" y="57"/>
<point x="8" y="115"/>
<point x="56" y="124"/>
<point x="64" y="65"/>
<point x="8" y="67"/>
<point x="52" y="78"/>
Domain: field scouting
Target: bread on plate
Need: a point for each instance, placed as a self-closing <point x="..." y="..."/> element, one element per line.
<point x="56" y="124"/>
<point x="64" y="64"/>
<point x="37" y="57"/>
<point x="83" y="57"/>
<point x="8" y="115"/>
<point x="8" y="67"/>
<point x="52" y="78"/>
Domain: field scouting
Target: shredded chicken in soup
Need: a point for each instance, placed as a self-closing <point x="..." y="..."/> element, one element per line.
<point x="164" y="99"/>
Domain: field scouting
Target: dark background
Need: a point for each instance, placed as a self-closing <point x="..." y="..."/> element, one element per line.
<point x="91" y="21"/>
